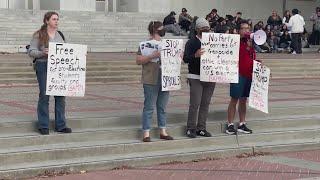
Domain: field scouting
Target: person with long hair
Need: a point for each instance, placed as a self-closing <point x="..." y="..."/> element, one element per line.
<point x="39" y="52"/>
<point x="151" y="80"/>
<point x="286" y="17"/>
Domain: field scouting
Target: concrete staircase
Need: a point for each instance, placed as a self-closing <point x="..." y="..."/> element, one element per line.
<point x="114" y="32"/>
<point x="119" y="68"/>
<point x="111" y="142"/>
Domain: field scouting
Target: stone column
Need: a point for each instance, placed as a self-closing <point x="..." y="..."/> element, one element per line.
<point x="284" y="6"/>
<point x="36" y="4"/>
<point x="106" y="6"/>
<point x="26" y="4"/>
<point x="114" y="7"/>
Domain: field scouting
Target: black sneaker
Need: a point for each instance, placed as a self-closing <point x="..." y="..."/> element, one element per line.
<point x="243" y="129"/>
<point x="230" y="130"/>
<point x="65" y="130"/>
<point x="44" y="131"/>
<point x="191" y="133"/>
<point x="203" y="133"/>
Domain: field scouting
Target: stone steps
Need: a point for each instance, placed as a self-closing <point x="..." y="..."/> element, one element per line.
<point x="115" y="27"/>
<point x="115" y="147"/>
<point x="122" y="67"/>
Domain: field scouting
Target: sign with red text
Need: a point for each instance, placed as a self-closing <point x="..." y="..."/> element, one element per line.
<point x="258" y="98"/>
<point x="220" y="61"/>
<point x="66" y="71"/>
<point x="171" y="57"/>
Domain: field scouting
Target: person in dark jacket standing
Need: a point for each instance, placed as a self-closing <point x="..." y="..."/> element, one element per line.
<point x="200" y="92"/>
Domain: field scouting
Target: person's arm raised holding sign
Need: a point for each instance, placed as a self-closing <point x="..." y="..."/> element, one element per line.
<point x="39" y="51"/>
<point x="200" y="92"/>
<point x="148" y="56"/>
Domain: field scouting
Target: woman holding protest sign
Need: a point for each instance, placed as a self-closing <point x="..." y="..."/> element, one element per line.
<point x="200" y="92"/>
<point x="39" y="52"/>
<point x="148" y="56"/>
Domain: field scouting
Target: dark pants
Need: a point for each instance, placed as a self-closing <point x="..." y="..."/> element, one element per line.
<point x="200" y="98"/>
<point x="43" y="103"/>
<point x="315" y="37"/>
<point x="296" y="42"/>
<point x="185" y="25"/>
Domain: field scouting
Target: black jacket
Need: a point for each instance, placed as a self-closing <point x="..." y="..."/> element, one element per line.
<point x="169" y="20"/>
<point x="191" y="48"/>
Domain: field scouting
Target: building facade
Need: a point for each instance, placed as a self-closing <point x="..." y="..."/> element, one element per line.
<point x="256" y="9"/>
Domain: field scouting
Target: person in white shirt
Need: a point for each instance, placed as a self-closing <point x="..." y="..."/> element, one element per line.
<point x="296" y="23"/>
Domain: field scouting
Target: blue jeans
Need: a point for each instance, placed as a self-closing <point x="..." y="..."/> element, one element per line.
<point x="153" y="96"/>
<point x="43" y="102"/>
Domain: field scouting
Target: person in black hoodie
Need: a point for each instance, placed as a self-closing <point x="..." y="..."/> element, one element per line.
<point x="200" y="92"/>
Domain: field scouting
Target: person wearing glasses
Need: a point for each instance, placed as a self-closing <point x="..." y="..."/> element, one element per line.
<point x="239" y="92"/>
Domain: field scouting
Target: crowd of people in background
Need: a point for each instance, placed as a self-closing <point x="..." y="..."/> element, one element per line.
<point x="281" y="35"/>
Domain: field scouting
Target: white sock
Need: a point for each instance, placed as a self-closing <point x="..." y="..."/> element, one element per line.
<point x="230" y="124"/>
<point x="242" y="123"/>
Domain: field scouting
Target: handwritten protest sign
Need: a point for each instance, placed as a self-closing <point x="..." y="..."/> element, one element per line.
<point x="149" y="47"/>
<point x="258" y="98"/>
<point x="220" y="61"/>
<point x="171" y="64"/>
<point x="66" y="72"/>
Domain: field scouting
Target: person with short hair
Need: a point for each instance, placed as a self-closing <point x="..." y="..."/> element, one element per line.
<point x="171" y="26"/>
<point x="296" y="23"/>
<point x="274" y="19"/>
<point x="39" y="51"/>
<point x="200" y="92"/>
<point x="238" y="19"/>
<point x="151" y="80"/>
<point x="315" y="18"/>
<point x="185" y="20"/>
<point x="240" y="91"/>
<point x="213" y="17"/>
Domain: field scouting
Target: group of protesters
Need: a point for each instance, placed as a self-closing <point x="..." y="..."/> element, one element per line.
<point x="200" y="92"/>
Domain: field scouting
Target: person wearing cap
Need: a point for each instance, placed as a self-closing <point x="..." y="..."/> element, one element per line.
<point x="185" y="20"/>
<point x="200" y="92"/>
<point x="171" y="26"/>
<point x="296" y="23"/>
<point x="240" y="91"/>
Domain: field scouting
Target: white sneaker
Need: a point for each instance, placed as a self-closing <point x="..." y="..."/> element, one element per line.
<point x="293" y="52"/>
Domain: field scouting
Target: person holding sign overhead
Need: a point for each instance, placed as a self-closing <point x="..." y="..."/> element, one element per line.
<point x="148" y="56"/>
<point x="200" y="92"/>
<point x="39" y="51"/>
<point x="239" y="92"/>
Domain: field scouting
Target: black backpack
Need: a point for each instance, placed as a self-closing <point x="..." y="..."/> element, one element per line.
<point x="61" y="34"/>
<point x="34" y="60"/>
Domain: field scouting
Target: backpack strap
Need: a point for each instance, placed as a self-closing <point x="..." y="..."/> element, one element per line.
<point x="61" y="34"/>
